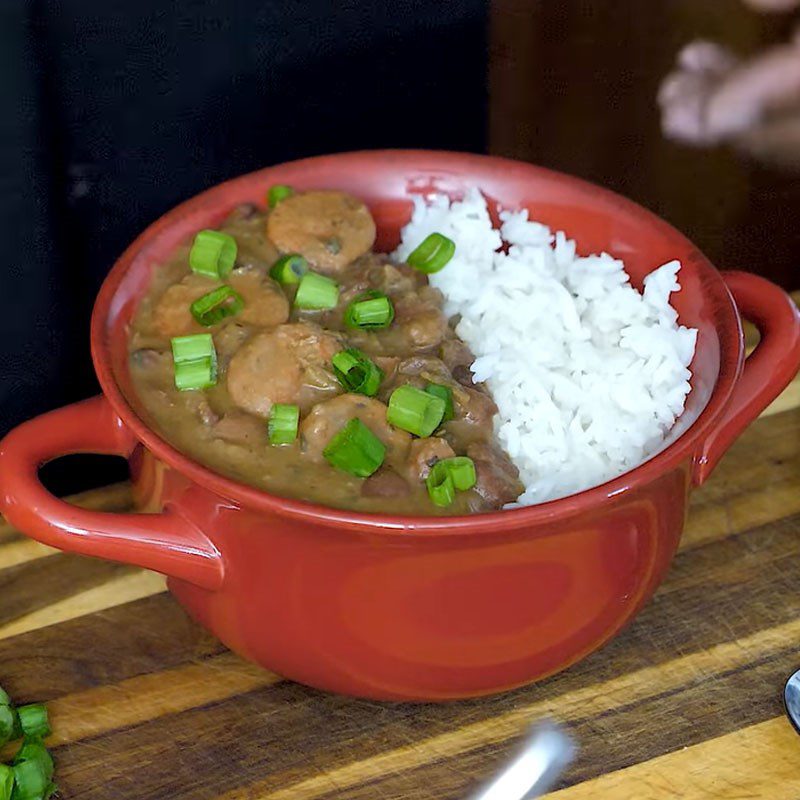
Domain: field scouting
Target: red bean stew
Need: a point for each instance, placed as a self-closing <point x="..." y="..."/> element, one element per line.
<point x="281" y="351"/>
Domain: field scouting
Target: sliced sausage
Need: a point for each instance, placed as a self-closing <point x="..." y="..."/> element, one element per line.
<point x="289" y="364"/>
<point x="330" y="229"/>
<point x="265" y="304"/>
<point x="328" y="418"/>
<point x="172" y="315"/>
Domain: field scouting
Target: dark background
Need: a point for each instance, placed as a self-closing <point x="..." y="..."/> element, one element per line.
<point x="115" y="110"/>
<point x="573" y="86"/>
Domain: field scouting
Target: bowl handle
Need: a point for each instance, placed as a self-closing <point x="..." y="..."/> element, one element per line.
<point x="768" y="369"/>
<point x="164" y="542"/>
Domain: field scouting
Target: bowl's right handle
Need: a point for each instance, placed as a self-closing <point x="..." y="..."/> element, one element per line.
<point x="164" y="542"/>
<point x="768" y="369"/>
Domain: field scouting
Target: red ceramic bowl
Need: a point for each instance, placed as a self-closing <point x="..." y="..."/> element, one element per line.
<point x="401" y="607"/>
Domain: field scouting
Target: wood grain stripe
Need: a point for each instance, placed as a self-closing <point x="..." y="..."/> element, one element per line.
<point x="103" y="648"/>
<point x="145" y="697"/>
<point x="20" y="551"/>
<point x="132" y="585"/>
<point x="756" y="762"/>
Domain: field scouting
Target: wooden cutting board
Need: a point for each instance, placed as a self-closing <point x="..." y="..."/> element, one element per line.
<point x="685" y="703"/>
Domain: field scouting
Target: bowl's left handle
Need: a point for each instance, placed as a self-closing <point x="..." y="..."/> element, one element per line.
<point x="164" y="542"/>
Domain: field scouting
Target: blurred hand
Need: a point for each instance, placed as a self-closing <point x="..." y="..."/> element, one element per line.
<point x="713" y="97"/>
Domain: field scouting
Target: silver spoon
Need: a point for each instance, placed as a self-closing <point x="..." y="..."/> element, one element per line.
<point x="544" y="754"/>
<point x="791" y="699"/>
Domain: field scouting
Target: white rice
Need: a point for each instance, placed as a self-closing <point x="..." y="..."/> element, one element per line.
<point x="587" y="373"/>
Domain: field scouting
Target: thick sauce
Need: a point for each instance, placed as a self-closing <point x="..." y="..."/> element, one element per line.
<point x="271" y="353"/>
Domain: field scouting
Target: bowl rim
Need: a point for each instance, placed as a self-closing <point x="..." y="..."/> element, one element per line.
<point x="688" y="443"/>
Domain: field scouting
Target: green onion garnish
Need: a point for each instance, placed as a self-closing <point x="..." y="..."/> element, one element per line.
<point x="195" y="375"/>
<point x="289" y="269"/>
<point x="441" y="488"/>
<point x="415" y="411"/>
<point x="213" y="307"/>
<point x="433" y="254"/>
<point x="30" y="779"/>
<point x="277" y="193"/>
<point x="356" y="372"/>
<point x="6" y="782"/>
<point x="463" y="471"/>
<point x="195" y="361"/>
<point x="191" y="348"/>
<point x="355" y="449"/>
<point x="8" y="723"/>
<point x="448" y="476"/>
<point x="213" y="254"/>
<point x="34" y="750"/>
<point x="446" y="393"/>
<point x="369" y="310"/>
<point x="30" y="775"/>
<point x="33" y="721"/>
<point x="282" y="424"/>
<point x="316" y="292"/>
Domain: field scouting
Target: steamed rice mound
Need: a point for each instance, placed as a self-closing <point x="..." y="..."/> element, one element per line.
<point x="588" y="374"/>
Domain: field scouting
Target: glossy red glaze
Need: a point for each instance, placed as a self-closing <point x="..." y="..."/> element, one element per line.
<point x="400" y="607"/>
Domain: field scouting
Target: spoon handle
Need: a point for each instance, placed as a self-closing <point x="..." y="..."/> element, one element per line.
<point x="545" y="752"/>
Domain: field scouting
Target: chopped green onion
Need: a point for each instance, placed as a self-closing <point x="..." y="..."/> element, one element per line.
<point x="356" y="372"/>
<point x="213" y="254"/>
<point x="289" y="269"/>
<point x="433" y="254"/>
<point x="446" y="393"/>
<point x="282" y="425"/>
<point x="8" y="724"/>
<point x="355" y="449"/>
<point x="415" y="411"/>
<point x="195" y="375"/>
<point x="34" y="750"/>
<point x="6" y="782"/>
<point x="33" y="720"/>
<point x="441" y="488"/>
<point x="369" y="310"/>
<point x="448" y="476"/>
<point x="277" y="193"/>
<point x="30" y="779"/>
<point x="190" y="348"/>
<point x="195" y="361"/>
<point x="213" y="307"/>
<point x="462" y="469"/>
<point x="316" y="292"/>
